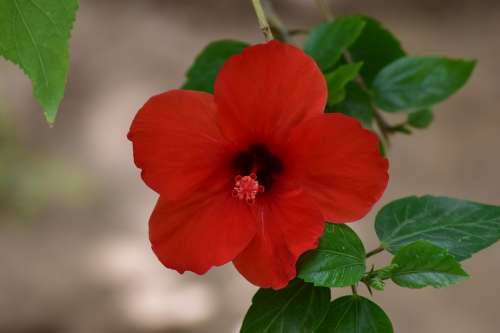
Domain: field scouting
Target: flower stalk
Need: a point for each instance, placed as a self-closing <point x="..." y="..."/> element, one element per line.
<point x="262" y="19"/>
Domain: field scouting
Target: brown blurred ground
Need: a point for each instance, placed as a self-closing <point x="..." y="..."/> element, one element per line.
<point x="73" y="240"/>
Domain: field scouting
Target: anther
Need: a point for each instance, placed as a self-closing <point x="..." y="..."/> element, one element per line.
<point x="247" y="187"/>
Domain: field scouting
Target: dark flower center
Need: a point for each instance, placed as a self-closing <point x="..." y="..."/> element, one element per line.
<point x="258" y="159"/>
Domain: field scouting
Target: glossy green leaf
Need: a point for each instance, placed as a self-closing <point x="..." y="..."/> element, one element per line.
<point x="421" y="264"/>
<point x="421" y="118"/>
<point x="339" y="261"/>
<point x="338" y="79"/>
<point x="412" y="83"/>
<point x="356" y="104"/>
<point x="299" y="308"/>
<point x="376" y="47"/>
<point x="326" y="42"/>
<point x="355" y="314"/>
<point x="35" y="36"/>
<point x="201" y="75"/>
<point x="462" y="227"/>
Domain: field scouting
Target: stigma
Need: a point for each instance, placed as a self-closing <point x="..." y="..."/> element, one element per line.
<point x="247" y="187"/>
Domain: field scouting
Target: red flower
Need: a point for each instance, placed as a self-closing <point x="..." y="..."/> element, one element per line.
<point x="251" y="173"/>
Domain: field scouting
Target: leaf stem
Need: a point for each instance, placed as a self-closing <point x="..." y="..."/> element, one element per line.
<point x="354" y="289"/>
<point x="375" y="251"/>
<point x="261" y="17"/>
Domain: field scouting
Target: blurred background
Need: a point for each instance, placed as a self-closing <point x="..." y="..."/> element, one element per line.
<point x="74" y="254"/>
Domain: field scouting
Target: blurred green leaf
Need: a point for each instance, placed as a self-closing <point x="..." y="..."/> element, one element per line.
<point x="201" y="75"/>
<point x="356" y="104"/>
<point x="339" y="261"/>
<point x="298" y="308"/>
<point x="412" y="83"/>
<point x="338" y="79"/>
<point x="32" y="182"/>
<point x="326" y="42"/>
<point x="35" y="35"/>
<point x="421" y="264"/>
<point x="376" y="47"/>
<point x="355" y="314"/>
<point x="462" y="227"/>
<point x="421" y="118"/>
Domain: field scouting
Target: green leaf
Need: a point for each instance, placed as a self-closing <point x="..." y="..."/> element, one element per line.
<point x="421" y="118"/>
<point x="201" y="75"/>
<point x="35" y="35"/>
<point x="356" y="104"/>
<point x="412" y="83"/>
<point x="376" y="47"/>
<point x="326" y="42"/>
<point x="375" y="278"/>
<point x="355" y="314"/>
<point x="423" y="264"/>
<point x="339" y="261"/>
<point x="462" y="227"/>
<point x="299" y="308"/>
<point x="338" y="79"/>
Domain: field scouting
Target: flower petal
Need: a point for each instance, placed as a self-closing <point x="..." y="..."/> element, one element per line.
<point x="289" y="223"/>
<point x="339" y="164"/>
<point x="268" y="89"/>
<point x="177" y="143"/>
<point x="206" y="230"/>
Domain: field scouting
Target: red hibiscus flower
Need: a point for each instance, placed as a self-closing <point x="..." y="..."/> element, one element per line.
<point x="251" y="173"/>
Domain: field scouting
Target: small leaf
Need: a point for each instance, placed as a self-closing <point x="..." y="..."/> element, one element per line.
<point x="201" y="75"/>
<point x="35" y="35"/>
<point x="376" y="283"/>
<point x="338" y="79"/>
<point x="412" y="83"/>
<point x="355" y="314"/>
<point x="326" y="42"/>
<point x="375" y="279"/>
<point x="299" y="308"/>
<point x="423" y="264"/>
<point x="356" y="104"/>
<point x="376" y="47"/>
<point x="339" y="261"/>
<point x="462" y="227"/>
<point x="421" y="118"/>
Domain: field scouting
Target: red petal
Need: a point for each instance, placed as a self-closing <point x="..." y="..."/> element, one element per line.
<point x="289" y="223"/>
<point x="204" y="231"/>
<point x="339" y="164"/>
<point x="177" y="143"/>
<point x="266" y="90"/>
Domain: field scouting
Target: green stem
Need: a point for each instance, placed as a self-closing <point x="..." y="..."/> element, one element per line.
<point x="375" y="251"/>
<point x="354" y="289"/>
<point x="261" y="17"/>
<point x="275" y="21"/>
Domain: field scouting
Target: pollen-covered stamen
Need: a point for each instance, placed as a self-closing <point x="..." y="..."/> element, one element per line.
<point x="247" y="187"/>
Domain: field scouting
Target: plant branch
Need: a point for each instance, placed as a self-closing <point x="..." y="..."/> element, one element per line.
<point x="375" y="251"/>
<point x="275" y="21"/>
<point x="298" y="31"/>
<point x="261" y="17"/>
